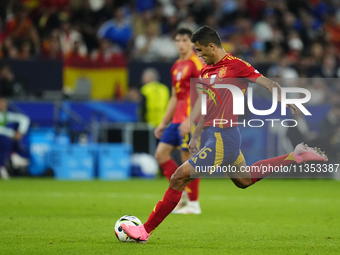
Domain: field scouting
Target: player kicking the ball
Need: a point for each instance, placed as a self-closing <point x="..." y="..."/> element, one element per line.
<point x="178" y="112"/>
<point x="223" y="144"/>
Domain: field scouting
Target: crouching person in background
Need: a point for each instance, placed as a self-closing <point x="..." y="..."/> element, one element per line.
<point x="13" y="126"/>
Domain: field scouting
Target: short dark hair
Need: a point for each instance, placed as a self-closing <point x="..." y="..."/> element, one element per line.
<point x="184" y="31"/>
<point x="206" y="35"/>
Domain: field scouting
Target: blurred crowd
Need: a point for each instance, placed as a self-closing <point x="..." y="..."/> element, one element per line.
<point x="287" y="38"/>
<point x="284" y="33"/>
<point x="281" y="38"/>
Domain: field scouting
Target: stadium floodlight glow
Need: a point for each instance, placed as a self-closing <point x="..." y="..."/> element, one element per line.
<point x="238" y="100"/>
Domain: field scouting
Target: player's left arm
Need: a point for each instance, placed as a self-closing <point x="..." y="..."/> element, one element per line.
<point x="186" y="124"/>
<point x="185" y="127"/>
<point x="197" y="106"/>
<point x="270" y="84"/>
<point x="193" y="148"/>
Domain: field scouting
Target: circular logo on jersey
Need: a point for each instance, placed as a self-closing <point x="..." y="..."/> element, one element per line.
<point x="222" y="72"/>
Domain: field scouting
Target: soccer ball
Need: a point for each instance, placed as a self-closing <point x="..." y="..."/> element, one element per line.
<point x="128" y="220"/>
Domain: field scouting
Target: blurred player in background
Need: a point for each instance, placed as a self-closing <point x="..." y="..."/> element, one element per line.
<point x="155" y="98"/>
<point x="178" y="112"/>
<point x="223" y="145"/>
<point x="10" y="136"/>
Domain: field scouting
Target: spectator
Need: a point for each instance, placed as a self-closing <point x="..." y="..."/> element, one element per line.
<point x="255" y="8"/>
<point x="316" y="54"/>
<point x="143" y="5"/>
<point x="170" y="24"/>
<point x="86" y="21"/>
<point x="295" y="47"/>
<point x="328" y="68"/>
<point x="264" y="29"/>
<point x="26" y="51"/>
<point x="332" y="29"/>
<point x="9" y="85"/>
<point x="200" y="10"/>
<point x="49" y="15"/>
<point x="20" y="28"/>
<point x="52" y="47"/>
<point x="168" y="50"/>
<point x="9" y="49"/>
<point x="9" y="137"/>
<point x="76" y="55"/>
<point x="310" y="28"/>
<point x="107" y="53"/>
<point x="182" y="9"/>
<point x="155" y="97"/>
<point x="147" y="46"/>
<point x="13" y="53"/>
<point x="69" y="37"/>
<point x="283" y="69"/>
<point x="118" y="30"/>
<point x="134" y="95"/>
<point x="246" y="34"/>
<point x="105" y="13"/>
<point x="188" y="22"/>
<point x="260" y="31"/>
<point x="142" y="21"/>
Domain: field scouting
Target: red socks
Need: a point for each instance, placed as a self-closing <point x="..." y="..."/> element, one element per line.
<point x="163" y="208"/>
<point x="192" y="189"/>
<point x="169" y="168"/>
<point x="266" y="166"/>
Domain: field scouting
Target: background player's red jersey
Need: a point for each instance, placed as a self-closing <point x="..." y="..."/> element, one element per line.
<point x="181" y="73"/>
<point x="228" y="68"/>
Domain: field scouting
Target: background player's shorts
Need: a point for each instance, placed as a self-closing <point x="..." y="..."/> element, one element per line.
<point x="171" y="136"/>
<point x="223" y="146"/>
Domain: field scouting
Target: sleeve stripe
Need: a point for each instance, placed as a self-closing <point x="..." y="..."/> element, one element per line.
<point x="197" y="62"/>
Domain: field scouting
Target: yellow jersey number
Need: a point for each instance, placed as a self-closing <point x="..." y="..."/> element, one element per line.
<point x="203" y="154"/>
<point x="178" y="88"/>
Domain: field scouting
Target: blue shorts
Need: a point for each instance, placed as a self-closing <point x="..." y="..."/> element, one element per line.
<point x="171" y="136"/>
<point x="222" y="147"/>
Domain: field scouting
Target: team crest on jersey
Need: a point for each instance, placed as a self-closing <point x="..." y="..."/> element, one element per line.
<point x="206" y="76"/>
<point x="222" y="72"/>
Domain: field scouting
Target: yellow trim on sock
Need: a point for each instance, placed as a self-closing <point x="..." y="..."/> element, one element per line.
<point x="154" y="209"/>
<point x="290" y="157"/>
<point x="187" y="189"/>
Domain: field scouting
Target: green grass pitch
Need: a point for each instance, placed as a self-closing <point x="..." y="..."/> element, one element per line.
<point x="44" y="216"/>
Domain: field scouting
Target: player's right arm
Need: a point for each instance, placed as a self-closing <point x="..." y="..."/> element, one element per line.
<point x="170" y="110"/>
<point x="248" y="72"/>
<point x="269" y="84"/>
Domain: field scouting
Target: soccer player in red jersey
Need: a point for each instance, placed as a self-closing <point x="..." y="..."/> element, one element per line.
<point x="223" y="144"/>
<point x="177" y="134"/>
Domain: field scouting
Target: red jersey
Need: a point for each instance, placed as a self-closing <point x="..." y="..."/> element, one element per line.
<point x="181" y="73"/>
<point x="229" y="68"/>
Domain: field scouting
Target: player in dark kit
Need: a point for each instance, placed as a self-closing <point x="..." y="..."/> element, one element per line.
<point x="223" y="144"/>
